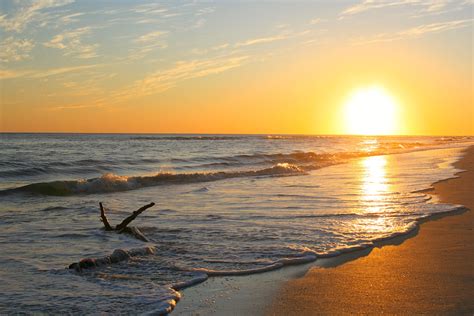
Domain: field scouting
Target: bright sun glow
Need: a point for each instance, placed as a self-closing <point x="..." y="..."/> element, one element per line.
<point x="371" y="111"/>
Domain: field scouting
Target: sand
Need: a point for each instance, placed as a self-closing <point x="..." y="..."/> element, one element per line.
<point x="430" y="273"/>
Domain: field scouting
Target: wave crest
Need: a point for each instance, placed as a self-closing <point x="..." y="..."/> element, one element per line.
<point x="110" y="182"/>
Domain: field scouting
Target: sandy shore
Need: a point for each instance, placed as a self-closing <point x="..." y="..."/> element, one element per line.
<point x="432" y="273"/>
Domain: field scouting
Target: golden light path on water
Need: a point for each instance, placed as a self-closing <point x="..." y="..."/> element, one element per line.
<point x="374" y="182"/>
<point x="375" y="190"/>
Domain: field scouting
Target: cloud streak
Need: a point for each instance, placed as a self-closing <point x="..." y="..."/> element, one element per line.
<point x="416" y="32"/>
<point x="12" y="49"/>
<point x="71" y="18"/>
<point x="367" y="5"/>
<point x="146" y="43"/>
<point x="423" y="7"/>
<point x="163" y="80"/>
<point x="71" y="43"/>
<point x="261" y="40"/>
<point x="28" y="13"/>
<point x="37" y="74"/>
<point x="150" y="37"/>
<point x="159" y="81"/>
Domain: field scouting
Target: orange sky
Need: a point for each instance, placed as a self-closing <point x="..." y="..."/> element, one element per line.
<point x="290" y="72"/>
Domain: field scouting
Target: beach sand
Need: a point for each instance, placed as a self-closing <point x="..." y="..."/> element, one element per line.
<point x="431" y="273"/>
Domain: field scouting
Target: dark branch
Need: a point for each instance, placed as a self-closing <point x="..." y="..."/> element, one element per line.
<point x="134" y="215"/>
<point x="103" y="218"/>
<point x="122" y="227"/>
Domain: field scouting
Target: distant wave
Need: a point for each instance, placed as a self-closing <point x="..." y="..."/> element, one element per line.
<point x="306" y="160"/>
<point x="113" y="183"/>
<point x="316" y="160"/>
<point x="224" y="137"/>
<point x="282" y="164"/>
<point x="189" y="138"/>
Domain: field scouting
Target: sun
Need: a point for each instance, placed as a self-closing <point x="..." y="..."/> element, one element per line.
<point x="371" y="111"/>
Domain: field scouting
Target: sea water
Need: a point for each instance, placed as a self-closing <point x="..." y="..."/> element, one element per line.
<point x="225" y="205"/>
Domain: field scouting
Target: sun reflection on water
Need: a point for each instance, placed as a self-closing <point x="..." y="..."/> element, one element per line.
<point x="374" y="181"/>
<point x="374" y="192"/>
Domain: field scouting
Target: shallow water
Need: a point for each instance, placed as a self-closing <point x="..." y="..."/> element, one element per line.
<point x="225" y="205"/>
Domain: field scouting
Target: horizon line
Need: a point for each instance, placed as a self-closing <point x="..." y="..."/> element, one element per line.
<point x="240" y="134"/>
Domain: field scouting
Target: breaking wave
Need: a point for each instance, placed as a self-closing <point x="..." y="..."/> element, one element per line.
<point x="114" y="183"/>
<point x="282" y="164"/>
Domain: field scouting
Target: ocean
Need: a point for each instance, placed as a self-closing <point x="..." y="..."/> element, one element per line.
<point x="225" y="205"/>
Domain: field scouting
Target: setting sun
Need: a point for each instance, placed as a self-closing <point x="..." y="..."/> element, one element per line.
<point x="371" y="111"/>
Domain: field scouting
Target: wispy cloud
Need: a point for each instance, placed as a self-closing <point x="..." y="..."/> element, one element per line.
<point x="77" y="106"/>
<point x="89" y="83"/>
<point x="315" y="21"/>
<point x="422" y="7"/>
<point x="261" y="40"/>
<point x="150" y="8"/>
<point x="417" y="31"/>
<point x="141" y="52"/>
<point x="147" y="43"/>
<point x="436" y="27"/>
<point x="159" y="81"/>
<point x="203" y="51"/>
<point x="37" y="73"/>
<point x="367" y="5"/>
<point x="70" y="18"/>
<point x="62" y="70"/>
<point x="12" y="49"/>
<point x="28" y="12"/>
<point x="436" y="5"/>
<point x="443" y="7"/>
<point x="205" y="11"/>
<point x="163" y="80"/>
<point x="150" y="37"/>
<point x="71" y="43"/>
<point x="285" y="34"/>
<point x="220" y="46"/>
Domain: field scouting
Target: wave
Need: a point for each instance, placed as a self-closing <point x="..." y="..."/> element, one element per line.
<point x="311" y="160"/>
<point x="305" y="257"/>
<point x="221" y="137"/>
<point x="281" y="164"/>
<point x="167" y="301"/>
<point x="189" y="138"/>
<point x="114" y="183"/>
<point x="184" y="137"/>
<point x="307" y="160"/>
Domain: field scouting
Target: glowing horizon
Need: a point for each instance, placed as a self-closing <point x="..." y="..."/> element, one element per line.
<point x="236" y="68"/>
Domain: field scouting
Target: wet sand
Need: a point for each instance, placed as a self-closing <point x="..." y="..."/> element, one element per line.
<point x="431" y="273"/>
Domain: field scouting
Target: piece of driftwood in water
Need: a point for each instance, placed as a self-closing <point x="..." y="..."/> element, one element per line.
<point x="117" y="256"/>
<point x="123" y="226"/>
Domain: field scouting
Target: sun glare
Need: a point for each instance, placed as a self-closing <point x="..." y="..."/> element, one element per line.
<point x="370" y="111"/>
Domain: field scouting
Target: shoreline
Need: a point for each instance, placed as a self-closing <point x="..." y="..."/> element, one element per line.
<point x="432" y="273"/>
<point x="256" y="293"/>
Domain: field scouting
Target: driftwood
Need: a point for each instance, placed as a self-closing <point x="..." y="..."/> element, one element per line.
<point x="123" y="226"/>
<point x="117" y="256"/>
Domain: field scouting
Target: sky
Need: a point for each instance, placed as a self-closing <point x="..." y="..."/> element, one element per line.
<point x="243" y="67"/>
